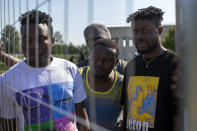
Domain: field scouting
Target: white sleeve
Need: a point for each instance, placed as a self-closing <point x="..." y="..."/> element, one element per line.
<point x="79" y="91"/>
<point x="7" y="103"/>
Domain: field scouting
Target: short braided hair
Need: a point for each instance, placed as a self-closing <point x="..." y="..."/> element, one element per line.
<point x="150" y="12"/>
<point x="32" y="16"/>
<point x="107" y="43"/>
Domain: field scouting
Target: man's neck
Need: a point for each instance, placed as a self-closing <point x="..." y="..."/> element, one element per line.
<point x="101" y="84"/>
<point x="40" y="64"/>
<point x="99" y="78"/>
<point x="158" y="51"/>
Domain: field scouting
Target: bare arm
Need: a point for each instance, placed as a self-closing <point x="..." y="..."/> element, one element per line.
<point x="81" y="112"/>
<point x="8" y="59"/>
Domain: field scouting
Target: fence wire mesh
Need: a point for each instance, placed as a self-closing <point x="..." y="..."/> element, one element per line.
<point x="24" y="97"/>
<point x="31" y="107"/>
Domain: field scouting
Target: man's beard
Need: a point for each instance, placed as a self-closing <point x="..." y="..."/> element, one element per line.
<point x="148" y="50"/>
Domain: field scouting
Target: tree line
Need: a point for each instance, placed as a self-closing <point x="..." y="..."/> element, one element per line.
<point x="10" y="38"/>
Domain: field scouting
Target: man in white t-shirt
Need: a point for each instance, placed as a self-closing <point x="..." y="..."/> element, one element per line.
<point x="41" y="92"/>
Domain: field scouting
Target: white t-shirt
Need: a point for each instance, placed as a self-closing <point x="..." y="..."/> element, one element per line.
<point x="41" y="96"/>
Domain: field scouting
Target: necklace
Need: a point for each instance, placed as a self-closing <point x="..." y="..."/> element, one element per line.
<point x="147" y="61"/>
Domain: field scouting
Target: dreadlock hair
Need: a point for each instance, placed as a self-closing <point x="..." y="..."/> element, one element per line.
<point x="32" y="17"/>
<point x="107" y="43"/>
<point x="150" y="12"/>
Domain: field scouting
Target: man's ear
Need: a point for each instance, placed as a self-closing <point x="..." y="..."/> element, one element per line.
<point x="53" y="40"/>
<point x="160" y="30"/>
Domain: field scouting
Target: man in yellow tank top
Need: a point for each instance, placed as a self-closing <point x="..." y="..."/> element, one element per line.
<point x="103" y="84"/>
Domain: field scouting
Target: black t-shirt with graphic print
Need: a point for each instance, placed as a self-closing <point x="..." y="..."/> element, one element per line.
<point x="148" y="96"/>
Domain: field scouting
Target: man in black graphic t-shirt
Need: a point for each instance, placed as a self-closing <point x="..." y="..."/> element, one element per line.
<point x="148" y="89"/>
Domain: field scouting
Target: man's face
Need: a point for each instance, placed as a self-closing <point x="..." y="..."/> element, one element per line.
<point x="146" y="35"/>
<point x="102" y="60"/>
<point x="41" y="51"/>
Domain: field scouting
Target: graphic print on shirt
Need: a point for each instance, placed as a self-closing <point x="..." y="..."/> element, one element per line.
<point x="142" y="97"/>
<point x="38" y="115"/>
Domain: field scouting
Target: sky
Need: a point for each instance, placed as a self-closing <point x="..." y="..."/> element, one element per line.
<point x="108" y="12"/>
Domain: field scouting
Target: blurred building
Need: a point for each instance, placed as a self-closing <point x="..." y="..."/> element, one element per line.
<point x="123" y="36"/>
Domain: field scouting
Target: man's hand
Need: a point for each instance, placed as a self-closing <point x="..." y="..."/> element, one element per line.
<point x="8" y="124"/>
<point x="81" y="112"/>
<point x="8" y="59"/>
